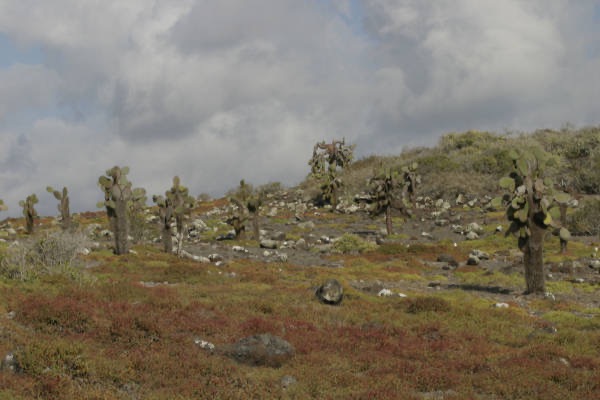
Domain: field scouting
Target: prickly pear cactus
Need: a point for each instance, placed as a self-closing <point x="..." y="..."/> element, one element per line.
<point x="63" y="206"/>
<point x="325" y="160"/>
<point x="530" y="208"/>
<point x="182" y="205"/>
<point x="117" y="196"/>
<point x="29" y="211"/>
<point x="251" y="200"/>
<point x="393" y="189"/>
<point x="165" y="214"/>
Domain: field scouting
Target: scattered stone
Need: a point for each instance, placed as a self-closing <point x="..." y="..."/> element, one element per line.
<point x="549" y="296"/>
<point x="595" y="264"/>
<point x="474" y="227"/>
<point x="325" y="239"/>
<point x="301" y="244"/>
<point x="239" y="249"/>
<point x="9" y="363"/>
<point x="273" y="212"/>
<point x="482" y="255"/>
<point x="457" y="229"/>
<point x="472" y="203"/>
<point x="203" y="344"/>
<point x="331" y="292"/>
<point x="215" y="257"/>
<point x="499" y="228"/>
<point x="288" y="381"/>
<point x="269" y="244"/>
<point x="385" y="293"/>
<point x="280" y="236"/>
<point x="264" y="350"/>
<point x="427" y="235"/>
<point x="472" y="236"/>
<point x="267" y="253"/>
<point x="227" y="236"/>
<point x="283" y="257"/>
<point x="307" y="225"/>
<point x="441" y="222"/>
<point x="501" y="305"/>
<point x="473" y="260"/>
<point x="578" y="280"/>
<point x="460" y="200"/>
<point x="434" y="284"/>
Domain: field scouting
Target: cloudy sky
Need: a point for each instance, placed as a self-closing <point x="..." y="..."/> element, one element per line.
<point x="219" y="90"/>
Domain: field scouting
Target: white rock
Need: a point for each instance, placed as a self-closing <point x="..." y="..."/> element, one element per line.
<point x="203" y="344"/>
<point x="501" y="305"/>
<point x="385" y="293"/>
<point x="472" y="236"/>
<point x="239" y="249"/>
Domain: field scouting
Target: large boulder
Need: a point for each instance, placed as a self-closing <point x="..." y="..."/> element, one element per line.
<point x="264" y="350"/>
<point x="331" y="292"/>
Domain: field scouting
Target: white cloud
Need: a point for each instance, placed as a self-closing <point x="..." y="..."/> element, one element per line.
<point x="216" y="91"/>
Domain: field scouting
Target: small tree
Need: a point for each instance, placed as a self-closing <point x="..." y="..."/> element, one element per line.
<point x="392" y="189"/>
<point x="118" y="197"/>
<point x="333" y="155"/>
<point x="29" y="211"/>
<point x="63" y="206"/>
<point x="3" y="206"/>
<point x="530" y="200"/>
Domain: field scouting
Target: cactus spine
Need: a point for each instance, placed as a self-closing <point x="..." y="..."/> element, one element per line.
<point x="117" y="195"/>
<point x="63" y="206"/>
<point x="29" y="211"/>
<point x="529" y="211"/>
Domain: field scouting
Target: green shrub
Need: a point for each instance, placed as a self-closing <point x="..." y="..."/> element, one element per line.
<point x="351" y="243"/>
<point x="586" y="220"/>
<point x="426" y="303"/>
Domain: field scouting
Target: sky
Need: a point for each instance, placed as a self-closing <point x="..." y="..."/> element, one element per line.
<point x="215" y="91"/>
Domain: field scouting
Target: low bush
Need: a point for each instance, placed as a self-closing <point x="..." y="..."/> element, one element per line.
<point x="51" y="253"/>
<point x="586" y="220"/>
<point x="426" y="303"/>
<point x="351" y="243"/>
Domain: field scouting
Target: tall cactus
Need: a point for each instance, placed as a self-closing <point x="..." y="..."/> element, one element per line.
<point x="393" y="189"/>
<point x="117" y="195"/>
<point x="63" y="206"/>
<point x="334" y="155"/>
<point x="530" y="203"/>
<point x="165" y="214"/>
<point x="182" y="205"/>
<point x="248" y="202"/>
<point x="29" y="211"/>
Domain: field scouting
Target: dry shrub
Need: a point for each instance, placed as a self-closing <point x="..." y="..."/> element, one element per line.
<point x="426" y="304"/>
<point x="52" y="253"/>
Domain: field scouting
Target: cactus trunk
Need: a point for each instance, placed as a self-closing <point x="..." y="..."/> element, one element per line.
<point x="533" y="258"/>
<point x="388" y="220"/>
<point x="121" y="227"/>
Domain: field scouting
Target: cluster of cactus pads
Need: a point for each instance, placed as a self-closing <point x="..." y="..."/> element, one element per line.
<point x="531" y="208"/>
<point x="333" y="155"/>
<point x="29" y="211"/>
<point x="63" y="206"/>
<point x="393" y="189"/>
<point x="247" y="202"/>
<point x="119" y="198"/>
<point x="176" y="204"/>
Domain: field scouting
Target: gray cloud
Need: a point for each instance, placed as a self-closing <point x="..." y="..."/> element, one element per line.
<point x="216" y="91"/>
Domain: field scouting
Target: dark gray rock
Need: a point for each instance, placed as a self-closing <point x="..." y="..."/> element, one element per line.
<point x="278" y="236"/>
<point x="264" y="350"/>
<point x="331" y="292"/>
